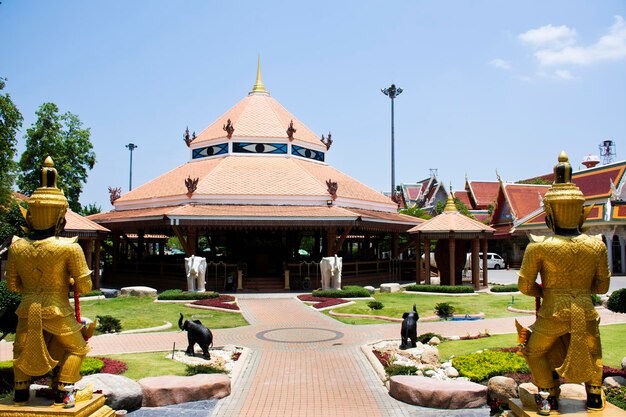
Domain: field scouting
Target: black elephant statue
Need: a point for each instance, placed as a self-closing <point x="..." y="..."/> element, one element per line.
<point x="409" y="329"/>
<point x="196" y="333"/>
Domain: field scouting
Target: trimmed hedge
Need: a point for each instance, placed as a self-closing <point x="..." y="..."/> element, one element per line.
<point x="425" y="338"/>
<point x="440" y="288"/>
<point x="191" y="370"/>
<point x="481" y="366"/>
<point x="349" y="291"/>
<point x="375" y="305"/>
<point x="505" y="288"/>
<point x="185" y="295"/>
<point x="91" y="366"/>
<point x="617" y="301"/>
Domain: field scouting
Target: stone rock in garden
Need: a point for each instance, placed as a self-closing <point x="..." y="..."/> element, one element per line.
<point x="430" y="356"/>
<point x="163" y="390"/>
<point x="110" y="292"/>
<point x="434" y="341"/>
<point x="433" y="393"/>
<point x="614" y="381"/>
<point x="624" y="363"/>
<point x="390" y="287"/>
<point x="451" y="372"/>
<point x="573" y="391"/>
<point x="138" y="291"/>
<point x="527" y="392"/>
<point x="370" y="289"/>
<point x="403" y="362"/>
<point x="435" y="281"/>
<point x="121" y="393"/>
<point x="502" y="388"/>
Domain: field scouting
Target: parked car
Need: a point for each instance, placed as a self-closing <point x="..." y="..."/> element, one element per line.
<point x="494" y="261"/>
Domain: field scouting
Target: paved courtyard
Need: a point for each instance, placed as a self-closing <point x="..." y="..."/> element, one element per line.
<point x="302" y="363"/>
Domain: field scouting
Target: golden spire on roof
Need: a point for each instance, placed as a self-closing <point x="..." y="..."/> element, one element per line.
<point x="450" y="206"/>
<point x="259" y="87"/>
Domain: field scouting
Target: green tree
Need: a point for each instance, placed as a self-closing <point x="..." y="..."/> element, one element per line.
<point x="415" y="212"/>
<point x="67" y="142"/>
<point x="11" y="221"/>
<point x="90" y="209"/>
<point x="460" y="206"/>
<point x="10" y="123"/>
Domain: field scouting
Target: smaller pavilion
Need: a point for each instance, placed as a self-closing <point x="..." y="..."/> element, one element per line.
<point x="454" y="232"/>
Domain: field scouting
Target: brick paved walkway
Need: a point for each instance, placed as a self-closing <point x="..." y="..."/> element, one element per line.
<point x="302" y="363"/>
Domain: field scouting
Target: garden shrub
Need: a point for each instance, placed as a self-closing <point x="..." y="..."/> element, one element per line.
<point x="185" y="295"/>
<point x="440" y="288"/>
<point x="481" y="366"/>
<point x="191" y="370"/>
<point x="9" y="301"/>
<point x="617" y="301"/>
<point x="393" y="370"/>
<point x="425" y="338"/>
<point x="444" y="310"/>
<point x="504" y="288"/>
<point x="108" y="324"/>
<point x="113" y="366"/>
<point x="91" y="366"/>
<point x="617" y="397"/>
<point x="596" y="300"/>
<point x="375" y="305"/>
<point x="349" y="291"/>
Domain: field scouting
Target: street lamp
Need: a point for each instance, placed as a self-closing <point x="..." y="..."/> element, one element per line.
<point x="392" y="92"/>
<point x="131" y="147"/>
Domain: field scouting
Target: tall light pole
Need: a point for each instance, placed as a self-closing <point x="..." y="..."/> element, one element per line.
<point x="392" y="92"/>
<point x="131" y="147"/>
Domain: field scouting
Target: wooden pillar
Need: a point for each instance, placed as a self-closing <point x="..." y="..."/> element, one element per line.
<point x="331" y="236"/>
<point x="395" y="245"/>
<point x="475" y="263"/>
<point x="116" y="250"/>
<point x="485" y="269"/>
<point x="286" y="279"/>
<point x="418" y="259"/>
<point x="192" y="240"/>
<point x="452" y="249"/>
<point x="239" y="280"/>
<point x="316" y="245"/>
<point x="96" y="274"/>
<point x="141" y="250"/>
<point x="427" y="260"/>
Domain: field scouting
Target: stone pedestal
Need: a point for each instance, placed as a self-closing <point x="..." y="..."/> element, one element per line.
<point x="569" y="407"/>
<point x="42" y="407"/>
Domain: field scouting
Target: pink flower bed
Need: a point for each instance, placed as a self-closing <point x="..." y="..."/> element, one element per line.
<point x="223" y="301"/>
<point x="321" y="302"/>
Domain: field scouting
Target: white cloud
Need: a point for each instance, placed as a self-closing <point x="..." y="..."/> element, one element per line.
<point x="501" y="63"/>
<point x="549" y="36"/>
<point x="609" y="47"/>
<point x="563" y="74"/>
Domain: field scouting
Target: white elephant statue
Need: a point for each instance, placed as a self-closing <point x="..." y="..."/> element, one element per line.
<point x="330" y="268"/>
<point x="195" y="267"/>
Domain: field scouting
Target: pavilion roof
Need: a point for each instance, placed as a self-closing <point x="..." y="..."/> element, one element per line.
<point x="483" y="193"/>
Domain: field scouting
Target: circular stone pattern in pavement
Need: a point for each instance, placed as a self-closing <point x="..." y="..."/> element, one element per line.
<point x="299" y="335"/>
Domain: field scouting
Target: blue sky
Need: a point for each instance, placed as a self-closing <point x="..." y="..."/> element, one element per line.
<point x="488" y="85"/>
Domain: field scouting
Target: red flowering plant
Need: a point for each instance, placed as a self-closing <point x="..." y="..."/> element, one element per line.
<point x="223" y="301"/>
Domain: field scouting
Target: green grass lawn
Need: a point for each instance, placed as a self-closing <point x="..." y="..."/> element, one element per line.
<point x="612" y="337"/>
<point x="142" y="365"/>
<point x="143" y="312"/>
<point x="397" y="303"/>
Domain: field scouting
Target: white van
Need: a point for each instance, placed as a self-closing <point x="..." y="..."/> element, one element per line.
<point x="494" y="261"/>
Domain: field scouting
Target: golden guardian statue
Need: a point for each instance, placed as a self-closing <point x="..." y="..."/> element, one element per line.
<point x="565" y="339"/>
<point x="44" y="268"/>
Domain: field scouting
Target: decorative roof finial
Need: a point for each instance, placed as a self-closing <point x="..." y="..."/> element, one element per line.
<point x="259" y="87"/>
<point x="450" y="206"/>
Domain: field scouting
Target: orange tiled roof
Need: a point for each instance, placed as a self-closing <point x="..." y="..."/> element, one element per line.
<point x="483" y="193"/>
<point x="257" y="116"/>
<point x="252" y="178"/>
<point x="77" y="223"/>
<point x="451" y="221"/>
<point x="464" y="197"/>
<point x="524" y="199"/>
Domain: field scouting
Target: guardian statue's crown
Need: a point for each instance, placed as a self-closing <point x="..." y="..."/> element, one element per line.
<point x="47" y="205"/>
<point x="564" y="201"/>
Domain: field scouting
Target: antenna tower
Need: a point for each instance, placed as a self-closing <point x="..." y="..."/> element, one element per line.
<point x="607" y="151"/>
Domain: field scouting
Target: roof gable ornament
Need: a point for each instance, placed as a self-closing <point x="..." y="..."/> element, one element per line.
<point x="332" y="188"/>
<point x="328" y="141"/>
<point x="191" y="184"/>
<point x="114" y="193"/>
<point x="616" y="192"/>
<point x="291" y="130"/>
<point x="229" y="129"/>
<point x="186" y="137"/>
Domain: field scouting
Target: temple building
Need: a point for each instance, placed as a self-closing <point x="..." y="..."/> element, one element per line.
<point x="603" y="187"/>
<point x="259" y="201"/>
